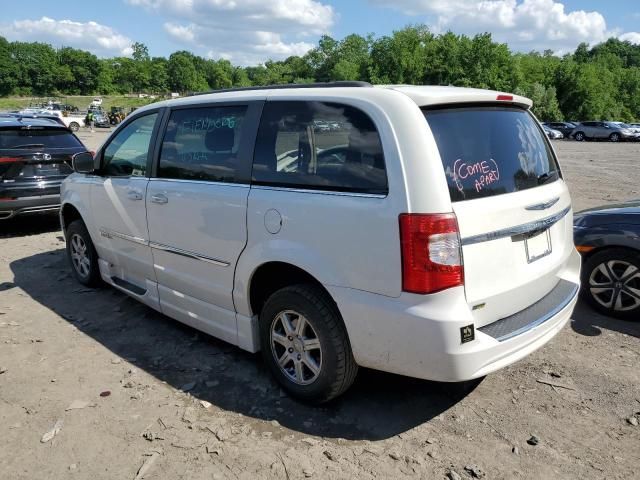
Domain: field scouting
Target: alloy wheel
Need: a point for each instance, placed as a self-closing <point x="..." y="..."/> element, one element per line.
<point x="79" y="257"/>
<point x="296" y="347"/>
<point x="615" y="284"/>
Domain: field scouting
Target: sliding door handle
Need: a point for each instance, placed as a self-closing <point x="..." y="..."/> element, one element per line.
<point x="134" y="195"/>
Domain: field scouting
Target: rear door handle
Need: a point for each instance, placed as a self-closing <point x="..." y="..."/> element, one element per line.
<point x="134" y="195"/>
<point x="159" y="198"/>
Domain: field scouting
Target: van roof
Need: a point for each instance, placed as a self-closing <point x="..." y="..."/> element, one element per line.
<point x="422" y="95"/>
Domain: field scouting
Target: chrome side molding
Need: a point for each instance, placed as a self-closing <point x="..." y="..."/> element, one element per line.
<point x="186" y="253"/>
<point x="166" y="248"/>
<point x="111" y="233"/>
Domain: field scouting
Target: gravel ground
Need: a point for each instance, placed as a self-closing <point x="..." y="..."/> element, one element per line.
<point x="125" y="389"/>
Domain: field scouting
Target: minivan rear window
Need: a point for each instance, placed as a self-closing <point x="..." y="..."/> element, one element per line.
<point x="37" y="138"/>
<point x="489" y="150"/>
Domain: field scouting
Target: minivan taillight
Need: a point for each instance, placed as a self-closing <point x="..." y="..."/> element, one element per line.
<point x="431" y="254"/>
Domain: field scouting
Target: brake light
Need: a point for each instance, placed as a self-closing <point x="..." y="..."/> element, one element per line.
<point x="505" y="98"/>
<point x="9" y="159"/>
<point x="431" y="254"/>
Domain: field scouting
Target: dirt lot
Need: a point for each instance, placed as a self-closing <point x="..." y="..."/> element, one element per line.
<point x="189" y="406"/>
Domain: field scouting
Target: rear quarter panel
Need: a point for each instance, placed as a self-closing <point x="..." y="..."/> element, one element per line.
<point x="343" y="240"/>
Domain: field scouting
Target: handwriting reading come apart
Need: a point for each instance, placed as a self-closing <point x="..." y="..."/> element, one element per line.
<point x="479" y="174"/>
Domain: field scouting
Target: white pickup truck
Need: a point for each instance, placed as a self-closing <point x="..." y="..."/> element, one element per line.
<point x="73" y="121"/>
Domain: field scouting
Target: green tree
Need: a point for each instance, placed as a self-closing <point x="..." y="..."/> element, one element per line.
<point x="140" y="52"/>
<point x="77" y="72"/>
<point x="8" y="69"/>
<point x="183" y="74"/>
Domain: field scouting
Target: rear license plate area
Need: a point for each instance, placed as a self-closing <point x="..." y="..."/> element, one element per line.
<point x="537" y="246"/>
<point x="47" y="170"/>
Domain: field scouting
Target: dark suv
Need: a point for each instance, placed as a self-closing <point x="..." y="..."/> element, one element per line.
<point x="35" y="156"/>
<point x="563" y="127"/>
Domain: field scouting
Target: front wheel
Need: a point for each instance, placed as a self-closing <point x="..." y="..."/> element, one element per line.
<point x="304" y="342"/>
<point x="614" y="137"/>
<point x="611" y="282"/>
<point x="82" y="254"/>
<point x="74" y="126"/>
<point x="579" y="136"/>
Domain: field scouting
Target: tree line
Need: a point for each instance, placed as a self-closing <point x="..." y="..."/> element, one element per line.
<point x="602" y="82"/>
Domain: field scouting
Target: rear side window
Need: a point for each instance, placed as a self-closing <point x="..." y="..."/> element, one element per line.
<point x="37" y="138"/>
<point x="489" y="151"/>
<point x="319" y="145"/>
<point x="202" y="144"/>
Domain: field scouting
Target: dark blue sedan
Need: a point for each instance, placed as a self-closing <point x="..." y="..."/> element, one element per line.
<point x="608" y="238"/>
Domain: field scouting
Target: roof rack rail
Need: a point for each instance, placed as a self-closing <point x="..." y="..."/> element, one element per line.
<point x="284" y="86"/>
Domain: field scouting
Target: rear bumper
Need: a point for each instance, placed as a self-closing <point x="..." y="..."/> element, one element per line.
<point x="21" y="205"/>
<point x="420" y="336"/>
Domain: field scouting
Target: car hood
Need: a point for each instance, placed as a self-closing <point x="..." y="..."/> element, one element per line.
<point x="620" y="213"/>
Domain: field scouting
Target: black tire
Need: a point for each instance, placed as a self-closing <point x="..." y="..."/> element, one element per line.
<point x="74" y="126"/>
<point x="614" y="137"/>
<point x="591" y="275"/>
<point x="90" y="277"/>
<point x="338" y="368"/>
<point x="579" y="136"/>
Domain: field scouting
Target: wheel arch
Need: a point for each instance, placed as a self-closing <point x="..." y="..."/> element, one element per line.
<point x="271" y="276"/>
<point x="601" y="248"/>
<point x="69" y="213"/>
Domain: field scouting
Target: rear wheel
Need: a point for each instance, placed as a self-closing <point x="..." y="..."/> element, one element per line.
<point x="305" y="343"/>
<point x="579" y="136"/>
<point x="611" y="282"/>
<point x="614" y="137"/>
<point x="82" y="254"/>
<point x="74" y="126"/>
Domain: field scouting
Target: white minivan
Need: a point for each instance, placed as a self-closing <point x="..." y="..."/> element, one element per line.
<point x="424" y="231"/>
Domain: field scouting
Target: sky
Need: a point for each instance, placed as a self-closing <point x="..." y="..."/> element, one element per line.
<point x="249" y="32"/>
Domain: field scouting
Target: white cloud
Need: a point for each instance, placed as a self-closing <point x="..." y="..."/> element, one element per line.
<point x="99" y="39"/>
<point x="633" y="37"/>
<point x="246" y="32"/>
<point x="525" y="24"/>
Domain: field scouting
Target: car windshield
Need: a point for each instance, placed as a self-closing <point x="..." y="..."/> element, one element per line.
<point x="16" y="138"/>
<point x="491" y="150"/>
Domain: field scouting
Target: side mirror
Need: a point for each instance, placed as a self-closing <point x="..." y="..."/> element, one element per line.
<point x="83" y="162"/>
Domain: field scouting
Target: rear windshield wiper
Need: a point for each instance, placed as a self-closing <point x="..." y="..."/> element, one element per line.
<point x="27" y="145"/>
<point x="547" y="177"/>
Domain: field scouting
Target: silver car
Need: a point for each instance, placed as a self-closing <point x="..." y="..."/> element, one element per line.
<point x="611" y="131"/>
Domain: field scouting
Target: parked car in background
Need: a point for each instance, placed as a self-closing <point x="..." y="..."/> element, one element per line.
<point x="234" y="213"/>
<point x="71" y="120"/>
<point x="551" y="133"/>
<point x="603" y="131"/>
<point x="563" y="127"/>
<point x="101" y="120"/>
<point x="49" y="116"/>
<point x="633" y="128"/>
<point x="35" y="157"/>
<point x="608" y="238"/>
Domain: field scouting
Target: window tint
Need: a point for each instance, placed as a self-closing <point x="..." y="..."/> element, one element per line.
<point x="489" y="151"/>
<point x="202" y="144"/>
<point x="36" y="137"/>
<point x="319" y="145"/>
<point x="128" y="151"/>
